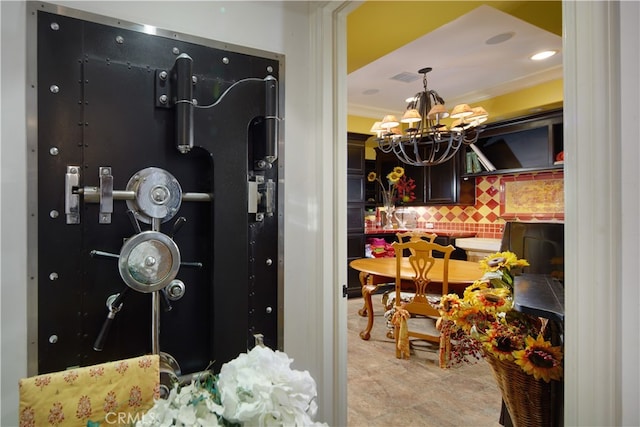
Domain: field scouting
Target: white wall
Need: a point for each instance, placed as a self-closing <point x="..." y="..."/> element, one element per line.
<point x="281" y="27"/>
<point x="602" y="195"/>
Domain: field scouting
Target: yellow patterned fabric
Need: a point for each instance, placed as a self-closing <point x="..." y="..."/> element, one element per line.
<point x="113" y="394"/>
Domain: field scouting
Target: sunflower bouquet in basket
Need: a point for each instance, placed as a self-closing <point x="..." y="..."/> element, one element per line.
<point x="485" y="317"/>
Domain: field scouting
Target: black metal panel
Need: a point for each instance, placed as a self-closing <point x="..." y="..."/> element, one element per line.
<point x="229" y="146"/>
<point x="105" y="112"/>
<point x="540" y="243"/>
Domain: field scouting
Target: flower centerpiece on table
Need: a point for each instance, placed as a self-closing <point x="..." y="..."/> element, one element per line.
<point x="258" y="388"/>
<point x="485" y="314"/>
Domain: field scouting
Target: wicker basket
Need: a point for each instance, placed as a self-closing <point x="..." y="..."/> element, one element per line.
<point x="528" y="400"/>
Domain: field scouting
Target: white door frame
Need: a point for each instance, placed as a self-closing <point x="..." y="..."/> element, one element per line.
<point x="595" y="283"/>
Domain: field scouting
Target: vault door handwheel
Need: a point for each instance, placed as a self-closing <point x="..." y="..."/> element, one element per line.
<point x="149" y="260"/>
<point x="157" y="195"/>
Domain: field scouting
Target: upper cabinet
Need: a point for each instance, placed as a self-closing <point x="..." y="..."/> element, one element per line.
<point x="355" y="182"/>
<point x="526" y="144"/>
<point x="355" y="153"/>
<point x="445" y="186"/>
<point x="435" y="185"/>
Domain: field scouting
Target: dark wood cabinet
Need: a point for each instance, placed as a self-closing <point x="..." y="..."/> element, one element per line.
<point x="526" y="144"/>
<point x="370" y="188"/>
<point x="356" y="198"/>
<point x="435" y="185"/>
<point x="446" y="186"/>
<point x="355" y="153"/>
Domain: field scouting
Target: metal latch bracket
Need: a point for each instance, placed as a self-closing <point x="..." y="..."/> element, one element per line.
<point x="71" y="197"/>
<point x="106" y="195"/>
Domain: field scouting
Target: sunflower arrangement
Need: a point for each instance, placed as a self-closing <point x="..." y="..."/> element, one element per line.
<point x="393" y="178"/>
<point x="485" y="315"/>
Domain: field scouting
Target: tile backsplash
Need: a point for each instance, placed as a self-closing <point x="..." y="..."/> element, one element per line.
<point x="494" y="205"/>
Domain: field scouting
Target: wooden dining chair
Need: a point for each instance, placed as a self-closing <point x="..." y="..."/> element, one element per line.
<point x="389" y="296"/>
<point x="410" y="236"/>
<point x="426" y="294"/>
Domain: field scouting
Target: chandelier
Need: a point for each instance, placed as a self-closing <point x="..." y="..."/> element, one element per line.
<point x="427" y="141"/>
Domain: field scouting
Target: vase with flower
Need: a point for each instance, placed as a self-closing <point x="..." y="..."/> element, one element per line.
<point x="405" y="193"/>
<point x="389" y="193"/>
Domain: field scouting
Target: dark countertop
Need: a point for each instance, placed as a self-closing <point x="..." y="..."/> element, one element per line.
<point x="439" y="232"/>
<point x="539" y="295"/>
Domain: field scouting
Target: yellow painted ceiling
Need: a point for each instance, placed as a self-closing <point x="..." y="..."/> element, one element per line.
<point x="377" y="28"/>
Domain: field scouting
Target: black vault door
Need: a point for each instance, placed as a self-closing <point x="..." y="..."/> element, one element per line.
<point x="104" y="128"/>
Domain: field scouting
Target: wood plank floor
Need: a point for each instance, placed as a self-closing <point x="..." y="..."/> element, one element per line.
<point x="385" y="391"/>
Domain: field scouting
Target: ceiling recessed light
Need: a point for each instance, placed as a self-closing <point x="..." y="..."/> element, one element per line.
<point x="543" y="55"/>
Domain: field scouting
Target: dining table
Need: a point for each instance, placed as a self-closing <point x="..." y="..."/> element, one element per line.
<point x="377" y="272"/>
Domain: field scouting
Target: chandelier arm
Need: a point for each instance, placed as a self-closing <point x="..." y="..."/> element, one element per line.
<point x="385" y="144"/>
<point x="446" y="155"/>
<point x="416" y="150"/>
<point x="437" y="99"/>
<point x="423" y="108"/>
<point x="415" y="102"/>
<point x="408" y="159"/>
<point x="430" y="153"/>
<point x="453" y="145"/>
<point x="455" y="141"/>
<point x="433" y="160"/>
<point x="471" y="139"/>
<point x="401" y="155"/>
<point x="441" y="141"/>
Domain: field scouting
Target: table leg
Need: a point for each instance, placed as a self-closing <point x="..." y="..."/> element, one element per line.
<point x="363" y="282"/>
<point x="366" y="294"/>
<point x="367" y="289"/>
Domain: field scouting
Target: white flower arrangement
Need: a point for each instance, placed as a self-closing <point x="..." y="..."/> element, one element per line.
<point x="258" y="388"/>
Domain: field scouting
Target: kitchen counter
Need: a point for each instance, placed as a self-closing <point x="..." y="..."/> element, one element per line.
<point x="444" y="237"/>
<point x="440" y="232"/>
<point x="478" y="248"/>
